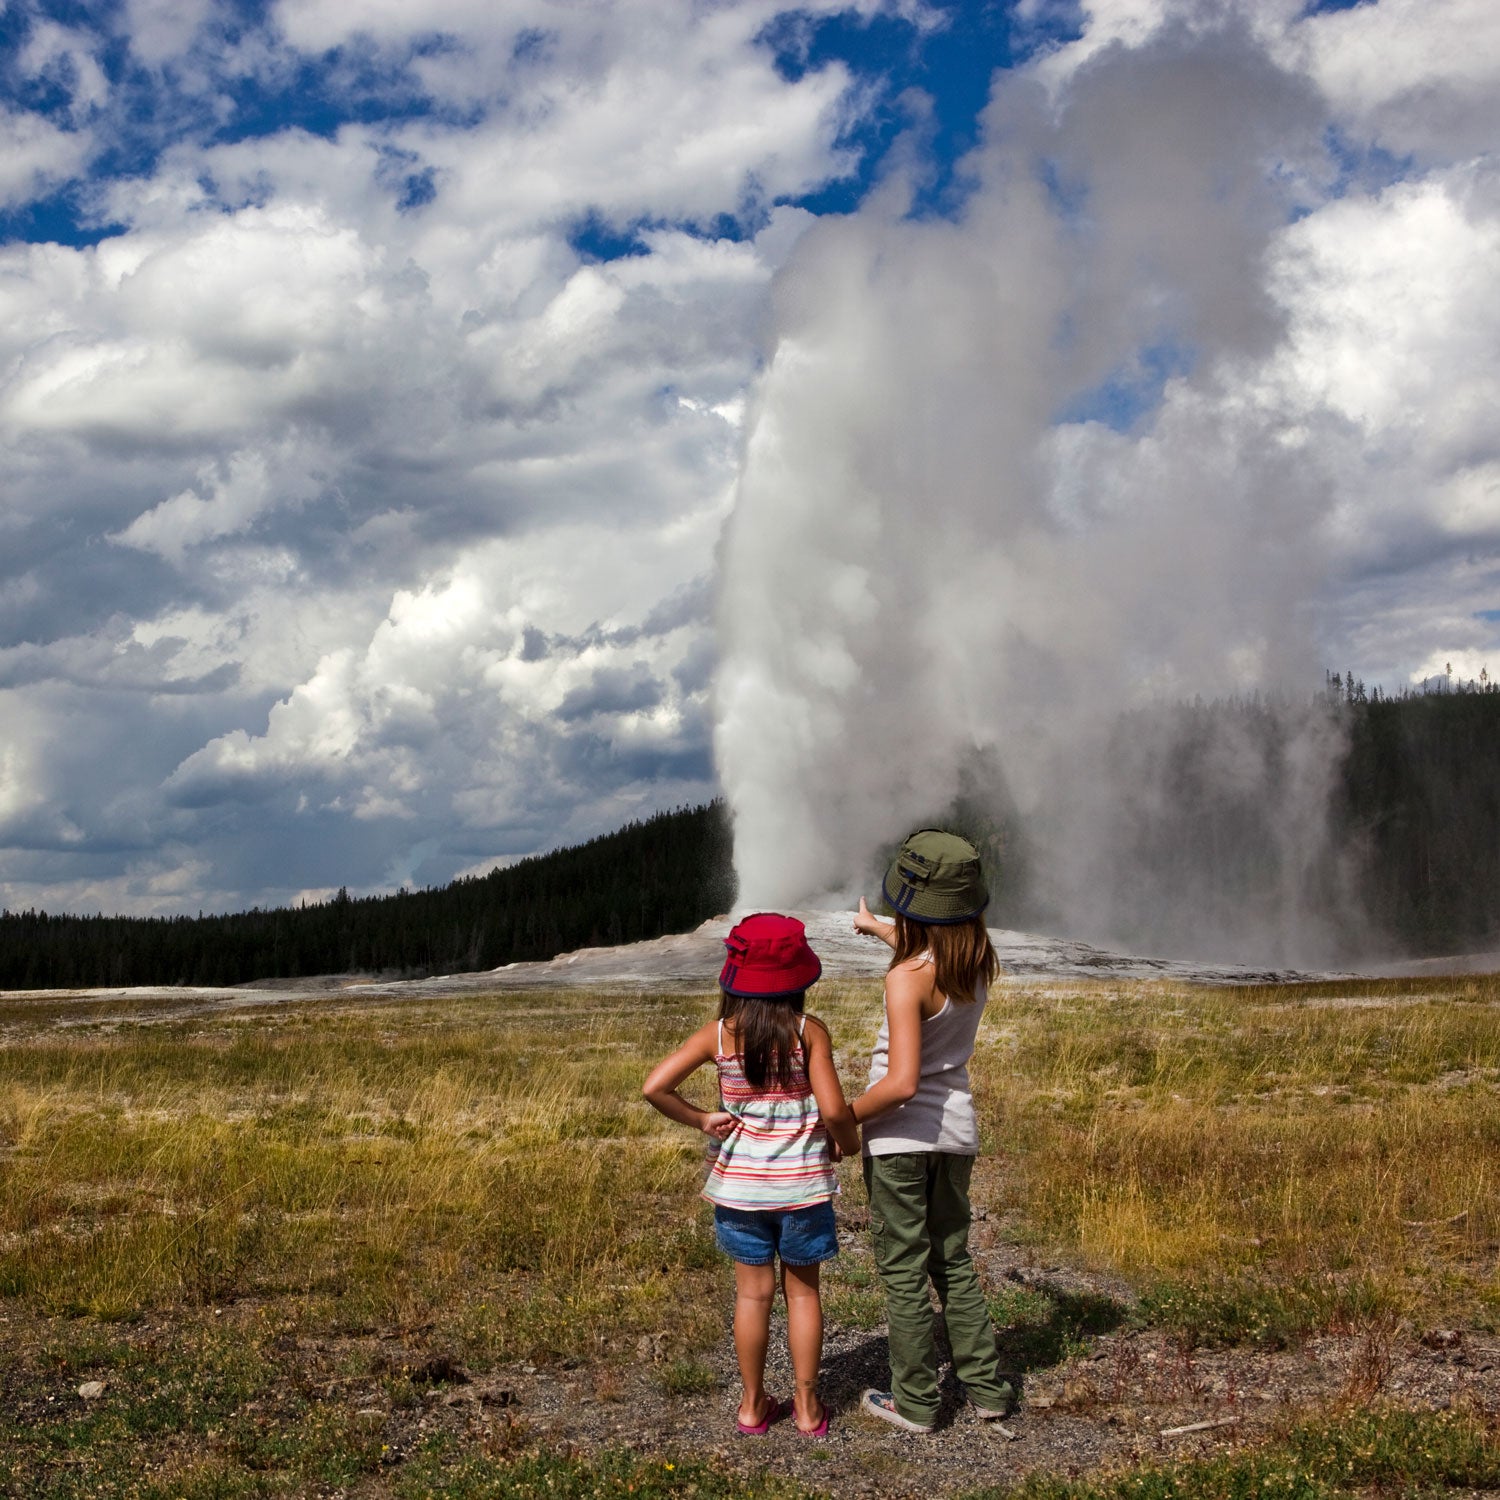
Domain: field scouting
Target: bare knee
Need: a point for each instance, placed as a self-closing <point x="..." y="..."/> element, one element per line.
<point x="798" y="1282"/>
<point x="755" y="1285"/>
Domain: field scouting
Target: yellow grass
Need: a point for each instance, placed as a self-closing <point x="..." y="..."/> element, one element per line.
<point x="486" y="1166"/>
<point x="1341" y="1134"/>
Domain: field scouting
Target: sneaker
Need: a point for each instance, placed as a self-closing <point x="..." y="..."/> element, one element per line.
<point x="883" y="1405"/>
<point x="995" y="1413"/>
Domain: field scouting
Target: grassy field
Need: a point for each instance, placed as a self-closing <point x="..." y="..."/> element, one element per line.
<point x="244" y="1223"/>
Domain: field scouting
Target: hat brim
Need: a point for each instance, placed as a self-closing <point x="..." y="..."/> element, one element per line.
<point x="932" y="908"/>
<point x="771" y="984"/>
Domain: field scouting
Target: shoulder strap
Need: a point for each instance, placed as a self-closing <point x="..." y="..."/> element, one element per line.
<point x="721" y="1039"/>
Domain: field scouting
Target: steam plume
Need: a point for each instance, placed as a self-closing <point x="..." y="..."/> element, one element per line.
<point x="937" y="560"/>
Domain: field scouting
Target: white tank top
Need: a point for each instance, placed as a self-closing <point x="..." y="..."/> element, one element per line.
<point x="940" y="1115"/>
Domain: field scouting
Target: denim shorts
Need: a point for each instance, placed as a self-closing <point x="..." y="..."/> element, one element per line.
<point x="756" y="1236"/>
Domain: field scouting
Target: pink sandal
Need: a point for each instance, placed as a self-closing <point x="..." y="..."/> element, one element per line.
<point x="821" y="1430"/>
<point x="775" y="1411"/>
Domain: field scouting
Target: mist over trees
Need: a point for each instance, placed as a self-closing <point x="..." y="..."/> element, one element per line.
<point x="1351" y="826"/>
<point x="1356" y="826"/>
<point x="1402" y="857"/>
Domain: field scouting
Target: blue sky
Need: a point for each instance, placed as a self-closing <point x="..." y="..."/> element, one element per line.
<point x="376" y="386"/>
<point x="950" y="56"/>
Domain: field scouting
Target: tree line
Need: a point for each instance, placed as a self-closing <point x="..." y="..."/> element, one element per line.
<point x="1394" y="847"/>
<point x="664" y="874"/>
<point x="1418" y="808"/>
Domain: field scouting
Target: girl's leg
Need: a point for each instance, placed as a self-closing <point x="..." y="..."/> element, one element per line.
<point x="897" y="1186"/>
<point x="754" y="1292"/>
<point x="804" y="1332"/>
<point x="971" y="1335"/>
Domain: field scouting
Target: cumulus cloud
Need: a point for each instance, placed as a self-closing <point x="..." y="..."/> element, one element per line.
<point x="345" y="476"/>
<point x="35" y="154"/>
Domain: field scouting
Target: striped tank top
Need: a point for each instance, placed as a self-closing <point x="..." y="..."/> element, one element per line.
<point x="777" y="1155"/>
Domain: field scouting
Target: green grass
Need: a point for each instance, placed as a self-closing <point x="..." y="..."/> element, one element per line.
<point x="444" y="1473"/>
<point x="374" y="1173"/>
<point x="1386" y="1450"/>
<point x="1039" y="1327"/>
<point x="1263" y="1314"/>
<point x="851" y="1290"/>
<point x="688" y="1377"/>
<point x="220" y="1394"/>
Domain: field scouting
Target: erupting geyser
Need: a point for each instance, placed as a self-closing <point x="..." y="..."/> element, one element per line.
<point x="1010" y="475"/>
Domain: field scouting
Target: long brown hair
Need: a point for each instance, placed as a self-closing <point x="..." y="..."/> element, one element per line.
<point x="962" y="953"/>
<point x="765" y="1035"/>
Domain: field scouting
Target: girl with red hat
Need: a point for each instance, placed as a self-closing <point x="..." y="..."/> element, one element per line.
<point x="772" y="1178"/>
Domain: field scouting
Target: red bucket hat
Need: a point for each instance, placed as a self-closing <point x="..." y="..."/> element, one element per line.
<point x="768" y="958"/>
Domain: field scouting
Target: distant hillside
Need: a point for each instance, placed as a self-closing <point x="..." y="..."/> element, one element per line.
<point x="663" y="875"/>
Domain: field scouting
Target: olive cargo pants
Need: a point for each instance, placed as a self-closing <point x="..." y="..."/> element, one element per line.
<point x="919" y="1217"/>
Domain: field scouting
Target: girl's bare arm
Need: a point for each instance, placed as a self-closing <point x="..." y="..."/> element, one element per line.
<point x="672" y="1072"/>
<point x="823" y="1075"/>
<point x="867" y="922"/>
<point x="906" y="988"/>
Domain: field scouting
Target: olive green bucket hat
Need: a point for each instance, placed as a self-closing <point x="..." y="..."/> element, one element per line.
<point x="936" y="878"/>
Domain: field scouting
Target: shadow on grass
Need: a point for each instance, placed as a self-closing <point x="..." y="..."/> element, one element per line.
<point x="1040" y="1325"/>
<point x="1036" y="1326"/>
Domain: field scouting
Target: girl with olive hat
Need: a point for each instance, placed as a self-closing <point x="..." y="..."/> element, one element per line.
<point x="920" y="1131"/>
<point x="772" y="1180"/>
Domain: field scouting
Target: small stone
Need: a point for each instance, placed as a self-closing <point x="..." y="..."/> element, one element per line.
<point x="91" y="1390"/>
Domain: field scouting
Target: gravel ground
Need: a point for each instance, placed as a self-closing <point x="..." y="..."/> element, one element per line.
<point x="1116" y="1403"/>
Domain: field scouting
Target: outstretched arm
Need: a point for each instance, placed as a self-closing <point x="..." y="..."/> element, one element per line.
<point x="672" y="1072"/>
<point x="866" y="922"/>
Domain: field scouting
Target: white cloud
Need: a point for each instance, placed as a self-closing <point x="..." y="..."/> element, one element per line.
<point x="1418" y="75"/>
<point x="163" y="30"/>
<point x="66" y="58"/>
<point x="35" y="154"/>
<point x="1457" y="668"/>
<point x="344" y="460"/>
<point x="239" y="491"/>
